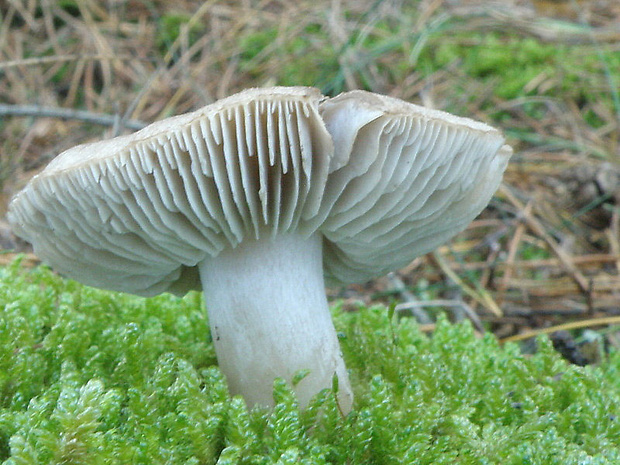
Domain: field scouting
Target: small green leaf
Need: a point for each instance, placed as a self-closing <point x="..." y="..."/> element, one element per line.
<point x="299" y="375"/>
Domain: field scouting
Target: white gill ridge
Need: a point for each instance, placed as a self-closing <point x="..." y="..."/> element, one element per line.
<point x="400" y="195"/>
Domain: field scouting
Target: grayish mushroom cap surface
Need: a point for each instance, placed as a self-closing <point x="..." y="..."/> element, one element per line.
<point x="256" y="200"/>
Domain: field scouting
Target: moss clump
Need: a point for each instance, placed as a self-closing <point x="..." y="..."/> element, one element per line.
<point x="513" y="67"/>
<point x="170" y="27"/>
<point x="304" y="58"/>
<point x="88" y="376"/>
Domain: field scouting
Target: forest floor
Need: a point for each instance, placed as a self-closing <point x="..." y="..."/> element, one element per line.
<point x="544" y="256"/>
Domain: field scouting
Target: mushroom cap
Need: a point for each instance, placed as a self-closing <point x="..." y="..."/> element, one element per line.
<point x="407" y="179"/>
<point x="383" y="180"/>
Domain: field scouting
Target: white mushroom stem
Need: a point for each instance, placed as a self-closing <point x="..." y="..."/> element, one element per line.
<point x="269" y="318"/>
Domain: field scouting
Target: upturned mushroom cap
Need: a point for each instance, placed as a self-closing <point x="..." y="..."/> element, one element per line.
<point x="384" y="181"/>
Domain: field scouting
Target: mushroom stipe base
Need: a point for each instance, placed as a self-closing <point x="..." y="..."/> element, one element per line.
<point x="270" y="318"/>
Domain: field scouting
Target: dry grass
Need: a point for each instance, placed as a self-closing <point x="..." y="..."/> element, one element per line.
<point x="547" y="250"/>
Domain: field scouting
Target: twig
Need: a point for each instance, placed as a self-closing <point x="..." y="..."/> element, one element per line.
<point x="561" y="285"/>
<point x="399" y="286"/>
<point x="136" y="101"/>
<point x="510" y="259"/>
<point x="480" y="295"/>
<point x="67" y="113"/>
<point x="612" y="320"/>
<point x="415" y="305"/>
<point x="613" y="236"/>
<point x="489" y="269"/>
<point x="585" y="260"/>
<point x="35" y="61"/>
<point x="537" y="228"/>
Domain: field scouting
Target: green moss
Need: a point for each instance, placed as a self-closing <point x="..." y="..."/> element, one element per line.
<point x="170" y="27"/>
<point x="305" y="58"/>
<point x="88" y="376"/>
<point x="510" y="65"/>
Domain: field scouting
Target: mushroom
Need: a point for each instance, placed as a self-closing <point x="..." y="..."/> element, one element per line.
<point x="257" y="199"/>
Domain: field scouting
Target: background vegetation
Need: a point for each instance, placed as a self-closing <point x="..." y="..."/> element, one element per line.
<point x="545" y="255"/>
